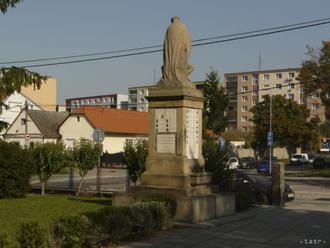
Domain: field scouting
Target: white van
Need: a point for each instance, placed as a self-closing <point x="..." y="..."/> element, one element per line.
<point x="299" y="159"/>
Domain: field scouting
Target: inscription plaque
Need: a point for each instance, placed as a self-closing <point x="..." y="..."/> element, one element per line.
<point x="166" y="143"/>
<point x="192" y="133"/>
<point x="165" y="120"/>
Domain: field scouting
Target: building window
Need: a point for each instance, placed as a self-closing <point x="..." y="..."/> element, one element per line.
<point x="302" y="100"/>
<point x="291" y="96"/>
<point x="244" y="129"/>
<point x="266" y="86"/>
<point x="142" y="92"/>
<point x="315" y="95"/>
<point x="266" y="76"/>
<point x="231" y="79"/>
<point x="87" y="101"/>
<point x="254" y="103"/>
<point x="315" y="106"/>
<point x="301" y="90"/>
<point x="245" y="78"/>
<point x="244" y="98"/>
<point x="278" y="86"/>
<point x="244" y="109"/>
<point x="255" y="79"/>
<point x="255" y="92"/>
<point x="291" y="75"/>
<point x="278" y="76"/>
<point x="315" y="116"/>
<point x="133" y="92"/>
<point x="290" y="86"/>
<point x="244" y="89"/>
<point x="244" y="118"/>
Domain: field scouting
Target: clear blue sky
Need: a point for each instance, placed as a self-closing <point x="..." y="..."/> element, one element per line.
<point x="48" y="28"/>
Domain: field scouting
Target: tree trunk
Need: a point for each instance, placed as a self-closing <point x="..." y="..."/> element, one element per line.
<point x="43" y="187"/>
<point x="79" y="186"/>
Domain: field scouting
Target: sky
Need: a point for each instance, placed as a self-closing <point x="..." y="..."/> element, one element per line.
<point x="47" y="28"/>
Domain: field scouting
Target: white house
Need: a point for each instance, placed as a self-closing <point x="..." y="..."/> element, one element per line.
<point x="120" y="126"/>
<point x="35" y="126"/>
<point x="13" y="106"/>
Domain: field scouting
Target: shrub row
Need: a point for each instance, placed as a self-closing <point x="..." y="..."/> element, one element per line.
<point x="110" y="224"/>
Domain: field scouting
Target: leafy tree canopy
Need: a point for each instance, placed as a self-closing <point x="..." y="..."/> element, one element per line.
<point x="315" y="74"/>
<point x="5" y="4"/>
<point x="289" y="123"/>
<point x="215" y="103"/>
<point x="13" y="79"/>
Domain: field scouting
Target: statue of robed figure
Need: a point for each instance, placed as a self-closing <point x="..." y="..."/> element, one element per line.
<point x="177" y="47"/>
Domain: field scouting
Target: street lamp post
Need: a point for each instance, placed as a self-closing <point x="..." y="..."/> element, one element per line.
<point x="270" y="143"/>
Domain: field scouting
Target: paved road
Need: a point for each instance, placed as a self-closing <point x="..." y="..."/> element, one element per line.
<point x="111" y="180"/>
<point x="305" y="222"/>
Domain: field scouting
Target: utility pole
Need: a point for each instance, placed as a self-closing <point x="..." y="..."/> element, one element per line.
<point x="26" y="124"/>
<point x="270" y="131"/>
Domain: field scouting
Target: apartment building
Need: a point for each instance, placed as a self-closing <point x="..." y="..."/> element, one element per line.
<point x="137" y="100"/>
<point x="111" y="101"/>
<point x="246" y="89"/>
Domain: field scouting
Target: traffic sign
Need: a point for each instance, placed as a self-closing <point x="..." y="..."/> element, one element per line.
<point x="98" y="135"/>
<point x="221" y="142"/>
<point x="270" y="138"/>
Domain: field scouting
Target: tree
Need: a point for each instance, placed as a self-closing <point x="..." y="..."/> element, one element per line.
<point x="15" y="170"/>
<point x="289" y="123"/>
<point x="85" y="155"/>
<point x="13" y="79"/>
<point x="5" y="4"/>
<point x="135" y="159"/>
<point x="215" y="103"/>
<point x="215" y="161"/>
<point x="315" y="74"/>
<point x="49" y="158"/>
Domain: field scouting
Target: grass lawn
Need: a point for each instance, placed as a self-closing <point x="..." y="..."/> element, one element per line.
<point x="312" y="173"/>
<point x="44" y="209"/>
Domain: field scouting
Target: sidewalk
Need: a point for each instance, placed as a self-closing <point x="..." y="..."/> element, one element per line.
<point x="257" y="227"/>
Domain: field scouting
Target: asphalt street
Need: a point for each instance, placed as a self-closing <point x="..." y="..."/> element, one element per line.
<point x="304" y="222"/>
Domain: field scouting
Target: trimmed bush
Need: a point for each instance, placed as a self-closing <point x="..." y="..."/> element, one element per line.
<point x="3" y="240"/>
<point x="160" y="215"/>
<point x="114" y="223"/>
<point x="70" y="232"/>
<point x="142" y="218"/>
<point x="32" y="235"/>
<point x="169" y="201"/>
<point x="15" y="170"/>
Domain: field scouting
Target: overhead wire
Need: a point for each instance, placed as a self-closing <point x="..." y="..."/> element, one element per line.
<point x="249" y="34"/>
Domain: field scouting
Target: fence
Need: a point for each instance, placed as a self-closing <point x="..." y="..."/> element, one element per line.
<point x="111" y="176"/>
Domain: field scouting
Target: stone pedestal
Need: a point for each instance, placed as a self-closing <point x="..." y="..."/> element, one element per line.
<point x="175" y="155"/>
<point x="278" y="183"/>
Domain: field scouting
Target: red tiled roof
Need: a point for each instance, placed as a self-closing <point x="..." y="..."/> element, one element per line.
<point x="116" y="120"/>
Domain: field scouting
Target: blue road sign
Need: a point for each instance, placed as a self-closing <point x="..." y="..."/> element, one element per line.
<point x="270" y="138"/>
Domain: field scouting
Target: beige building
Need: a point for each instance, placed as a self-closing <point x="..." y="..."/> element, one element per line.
<point x="121" y="127"/>
<point x="245" y="89"/>
<point x="45" y="97"/>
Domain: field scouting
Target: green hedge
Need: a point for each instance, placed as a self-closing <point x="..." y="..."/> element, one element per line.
<point x="15" y="170"/>
<point x="93" y="229"/>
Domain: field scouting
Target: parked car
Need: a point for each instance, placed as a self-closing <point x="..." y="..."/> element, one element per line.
<point x="247" y="162"/>
<point x="320" y="162"/>
<point x="263" y="165"/>
<point x="312" y="157"/>
<point x="232" y="163"/>
<point x="299" y="159"/>
<point x="260" y="187"/>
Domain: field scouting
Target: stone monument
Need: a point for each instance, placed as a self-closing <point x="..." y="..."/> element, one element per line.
<point x="175" y="165"/>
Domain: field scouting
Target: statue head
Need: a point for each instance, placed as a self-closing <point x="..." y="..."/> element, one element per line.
<point x="175" y="19"/>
